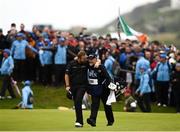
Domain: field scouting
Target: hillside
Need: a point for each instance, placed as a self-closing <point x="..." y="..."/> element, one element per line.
<point x="151" y="18"/>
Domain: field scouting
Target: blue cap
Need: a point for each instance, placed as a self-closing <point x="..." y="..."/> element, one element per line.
<point x="27" y="82"/>
<point x="7" y="51"/>
<point x="61" y="39"/>
<point x="46" y="40"/>
<point x="141" y="54"/>
<point x="167" y="49"/>
<point x="163" y="55"/>
<point x="20" y="35"/>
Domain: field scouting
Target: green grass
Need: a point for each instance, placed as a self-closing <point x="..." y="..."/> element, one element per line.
<point x="45" y="98"/>
<point x="46" y="116"/>
<point x="52" y="98"/>
<point x="56" y="120"/>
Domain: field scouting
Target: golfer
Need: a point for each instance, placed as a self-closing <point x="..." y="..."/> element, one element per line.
<point x="76" y="81"/>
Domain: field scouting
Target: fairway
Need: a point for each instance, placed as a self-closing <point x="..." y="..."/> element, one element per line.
<point x="57" y="120"/>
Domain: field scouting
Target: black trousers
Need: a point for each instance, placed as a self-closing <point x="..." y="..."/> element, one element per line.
<point x="176" y="91"/>
<point x="59" y="72"/>
<point x="107" y="108"/>
<point x="144" y="102"/>
<point x="6" y="85"/>
<point x="47" y="74"/>
<point x="162" y="92"/>
<point x="137" y="83"/>
<point x="78" y="94"/>
<point x="20" y="70"/>
<point x="31" y="66"/>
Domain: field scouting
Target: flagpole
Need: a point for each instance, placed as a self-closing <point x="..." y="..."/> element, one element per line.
<point x="118" y="26"/>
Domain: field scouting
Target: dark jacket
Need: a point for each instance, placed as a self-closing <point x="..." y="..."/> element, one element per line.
<point x="98" y="80"/>
<point x="77" y="73"/>
<point x="176" y="79"/>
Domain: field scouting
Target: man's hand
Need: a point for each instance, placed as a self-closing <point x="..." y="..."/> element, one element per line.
<point x="98" y="63"/>
<point x="76" y="58"/>
<point x="140" y="94"/>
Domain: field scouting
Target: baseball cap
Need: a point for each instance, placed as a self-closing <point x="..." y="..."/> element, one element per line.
<point x="27" y="82"/>
<point x="61" y="39"/>
<point x="92" y="56"/>
<point x="20" y="35"/>
<point x="163" y="55"/>
<point x="7" y="51"/>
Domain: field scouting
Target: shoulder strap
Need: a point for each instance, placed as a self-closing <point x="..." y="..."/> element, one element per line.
<point x="157" y="67"/>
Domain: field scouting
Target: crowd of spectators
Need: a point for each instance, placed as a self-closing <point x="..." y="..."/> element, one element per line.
<point x="41" y="56"/>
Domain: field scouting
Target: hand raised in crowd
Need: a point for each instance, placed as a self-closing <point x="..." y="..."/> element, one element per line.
<point x="98" y="63"/>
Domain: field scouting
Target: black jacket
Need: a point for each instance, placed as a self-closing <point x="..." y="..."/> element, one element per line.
<point x="98" y="80"/>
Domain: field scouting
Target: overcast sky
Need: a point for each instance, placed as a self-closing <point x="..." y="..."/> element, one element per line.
<point x="63" y="13"/>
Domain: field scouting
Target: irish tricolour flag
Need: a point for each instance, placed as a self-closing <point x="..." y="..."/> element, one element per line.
<point x="131" y="32"/>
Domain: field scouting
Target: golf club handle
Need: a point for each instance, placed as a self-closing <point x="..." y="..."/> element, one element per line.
<point x="14" y="83"/>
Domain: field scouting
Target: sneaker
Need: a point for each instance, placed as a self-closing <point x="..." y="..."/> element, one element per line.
<point x="83" y="107"/>
<point x="164" y="105"/>
<point x="159" y="104"/>
<point x="2" y="97"/>
<point x="109" y="124"/>
<point x="77" y="124"/>
<point x="9" y="97"/>
<point x="91" y="122"/>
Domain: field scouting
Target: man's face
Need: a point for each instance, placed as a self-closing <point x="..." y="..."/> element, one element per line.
<point x="177" y="68"/>
<point x="92" y="61"/>
<point x="178" y="57"/>
<point x="148" y="55"/>
<point x="128" y="49"/>
<point x="5" y="54"/>
<point x="81" y="45"/>
<point x="22" y="26"/>
<point x="163" y="59"/>
<point x="62" y="43"/>
<point x="46" y="43"/>
<point x="19" y="38"/>
<point x="82" y="59"/>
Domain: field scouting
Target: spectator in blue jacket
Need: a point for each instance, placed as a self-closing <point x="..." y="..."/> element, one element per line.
<point x="163" y="70"/>
<point x="124" y="58"/>
<point x="141" y="62"/>
<point x="109" y="64"/>
<point x="144" y="90"/>
<point x="46" y="63"/>
<point x="60" y="61"/>
<point x="18" y="51"/>
<point x="6" y="71"/>
<point x="27" y="97"/>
